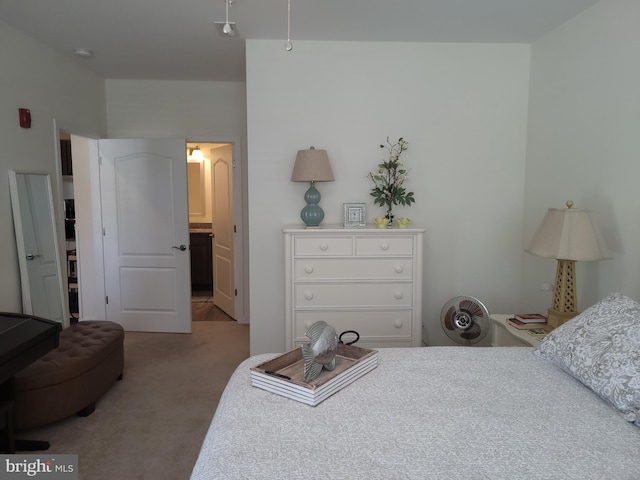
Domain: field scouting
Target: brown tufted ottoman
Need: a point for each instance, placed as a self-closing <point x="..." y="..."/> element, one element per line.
<point x="69" y="379"/>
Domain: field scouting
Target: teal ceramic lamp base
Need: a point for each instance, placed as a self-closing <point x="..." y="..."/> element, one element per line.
<point x="312" y="214"/>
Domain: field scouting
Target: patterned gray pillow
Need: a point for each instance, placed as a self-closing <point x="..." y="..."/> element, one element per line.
<point x="601" y="348"/>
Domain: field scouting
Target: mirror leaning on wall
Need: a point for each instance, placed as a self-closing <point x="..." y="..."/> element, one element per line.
<point x="37" y="245"/>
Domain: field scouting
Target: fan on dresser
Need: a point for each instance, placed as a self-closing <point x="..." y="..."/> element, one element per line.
<point x="465" y="320"/>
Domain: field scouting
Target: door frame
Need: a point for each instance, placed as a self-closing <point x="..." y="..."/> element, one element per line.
<point x="58" y="201"/>
<point x="240" y="245"/>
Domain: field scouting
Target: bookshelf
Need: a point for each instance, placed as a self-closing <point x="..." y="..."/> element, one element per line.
<point x="72" y="285"/>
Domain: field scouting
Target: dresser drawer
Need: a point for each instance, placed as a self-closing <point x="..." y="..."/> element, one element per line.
<point x="384" y="245"/>
<point x="322" y="246"/>
<point x="353" y="268"/>
<point x="330" y="295"/>
<point x="372" y="326"/>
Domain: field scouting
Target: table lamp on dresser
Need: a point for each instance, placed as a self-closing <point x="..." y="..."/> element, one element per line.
<point x="312" y="166"/>
<point x="568" y="235"/>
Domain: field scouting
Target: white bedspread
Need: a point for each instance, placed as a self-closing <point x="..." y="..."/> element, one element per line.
<point x="425" y="413"/>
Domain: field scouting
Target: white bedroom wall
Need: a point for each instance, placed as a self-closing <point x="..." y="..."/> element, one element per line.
<point x="583" y="145"/>
<point x="161" y="109"/>
<point x="52" y="87"/>
<point x="463" y="109"/>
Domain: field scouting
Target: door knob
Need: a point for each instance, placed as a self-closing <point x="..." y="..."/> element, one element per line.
<point x="182" y="247"/>
<point x="31" y="256"/>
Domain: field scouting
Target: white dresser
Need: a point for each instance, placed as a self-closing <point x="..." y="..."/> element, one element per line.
<point x="363" y="279"/>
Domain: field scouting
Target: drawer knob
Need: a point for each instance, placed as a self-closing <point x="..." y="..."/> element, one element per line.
<point x="398" y="294"/>
<point x="324" y="247"/>
<point x="399" y="269"/>
<point x="308" y="269"/>
<point x="384" y="246"/>
<point x="397" y="323"/>
<point x="308" y="295"/>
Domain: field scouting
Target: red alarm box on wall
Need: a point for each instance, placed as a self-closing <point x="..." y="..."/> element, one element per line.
<point x="25" y="117"/>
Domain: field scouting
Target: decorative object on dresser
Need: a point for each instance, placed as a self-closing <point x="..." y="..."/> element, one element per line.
<point x="388" y="180"/>
<point x="312" y="166"/>
<point x="355" y="215"/>
<point x="465" y="320"/>
<point x="403" y="222"/>
<point x="381" y="222"/>
<point x="569" y="235"/>
<point x="368" y="280"/>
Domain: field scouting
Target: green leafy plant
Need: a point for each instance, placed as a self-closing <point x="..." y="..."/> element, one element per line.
<point x="389" y="179"/>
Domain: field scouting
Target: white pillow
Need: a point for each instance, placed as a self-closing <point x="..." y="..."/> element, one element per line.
<point x="601" y="348"/>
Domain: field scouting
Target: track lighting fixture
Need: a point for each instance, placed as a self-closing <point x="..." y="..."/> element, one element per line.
<point x="227" y="28"/>
<point x="288" y="46"/>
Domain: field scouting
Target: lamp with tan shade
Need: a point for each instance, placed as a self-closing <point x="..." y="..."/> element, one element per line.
<point x="569" y="235"/>
<point x="312" y="166"/>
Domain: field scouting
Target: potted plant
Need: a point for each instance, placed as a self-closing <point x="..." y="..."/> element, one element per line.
<point x="388" y="180"/>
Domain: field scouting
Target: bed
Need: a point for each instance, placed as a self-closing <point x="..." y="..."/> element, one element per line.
<point x="451" y="413"/>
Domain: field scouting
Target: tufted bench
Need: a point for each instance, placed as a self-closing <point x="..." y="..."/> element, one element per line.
<point x="69" y="379"/>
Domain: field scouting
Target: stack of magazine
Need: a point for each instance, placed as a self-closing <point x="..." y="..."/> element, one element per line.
<point x="526" y="321"/>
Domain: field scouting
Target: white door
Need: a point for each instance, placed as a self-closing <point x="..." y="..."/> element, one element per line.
<point x="146" y="234"/>
<point x="223" y="230"/>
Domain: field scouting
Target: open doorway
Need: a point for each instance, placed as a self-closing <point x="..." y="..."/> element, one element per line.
<point x="90" y="291"/>
<point x="212" y="230"/>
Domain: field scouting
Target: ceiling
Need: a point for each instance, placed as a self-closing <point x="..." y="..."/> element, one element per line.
<point x="176" y="39"/>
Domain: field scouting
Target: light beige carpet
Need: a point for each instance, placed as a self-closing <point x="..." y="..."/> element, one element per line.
<point x="150" y="425"/>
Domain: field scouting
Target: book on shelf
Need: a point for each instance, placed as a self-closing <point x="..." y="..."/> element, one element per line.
<point x="530" y="317"/>
<point x="514" y="322"/>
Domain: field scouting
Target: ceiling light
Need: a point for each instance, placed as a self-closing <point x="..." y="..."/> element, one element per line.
<point x="227" y="28"/>
<point x="83" y="52"/>
<point x="196" y="153"/>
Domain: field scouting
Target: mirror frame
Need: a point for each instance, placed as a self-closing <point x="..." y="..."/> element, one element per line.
<point x="27" y="304"/>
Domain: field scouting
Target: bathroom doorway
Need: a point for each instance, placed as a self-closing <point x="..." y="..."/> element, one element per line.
<point x="212" y="230"/>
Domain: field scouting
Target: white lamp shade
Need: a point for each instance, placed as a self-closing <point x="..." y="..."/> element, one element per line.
<point x="568" y="234"/>
<point x="312" y="166"/>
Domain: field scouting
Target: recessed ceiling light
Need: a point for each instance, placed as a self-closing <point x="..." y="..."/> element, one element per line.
<point x="83" y="52"/>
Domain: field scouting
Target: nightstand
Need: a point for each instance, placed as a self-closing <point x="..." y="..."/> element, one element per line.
<point x="505" y="335"/>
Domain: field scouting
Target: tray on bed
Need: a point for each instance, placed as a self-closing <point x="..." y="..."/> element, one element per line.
<point x="287" y="374"/>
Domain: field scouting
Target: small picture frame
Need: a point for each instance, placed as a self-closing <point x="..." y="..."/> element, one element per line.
<point x="355" y="215"/>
